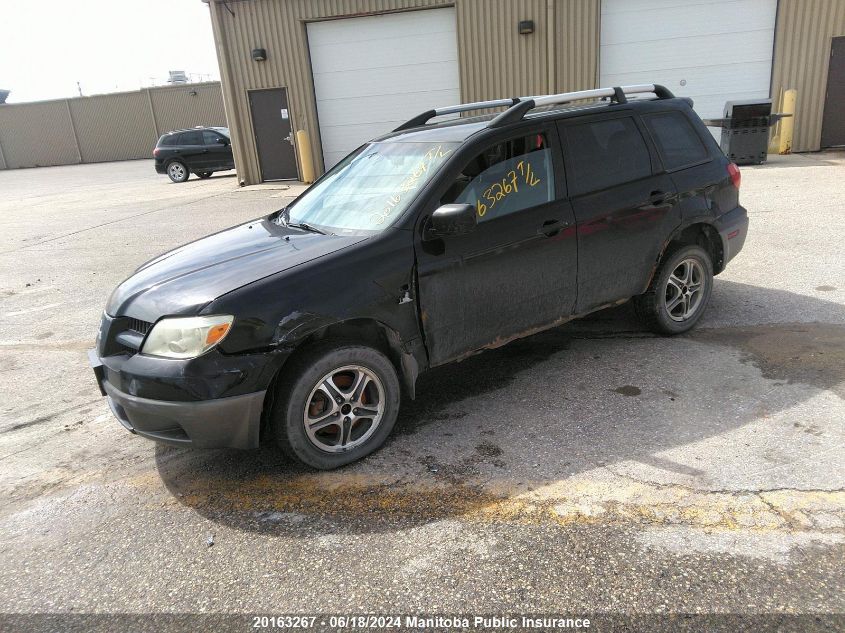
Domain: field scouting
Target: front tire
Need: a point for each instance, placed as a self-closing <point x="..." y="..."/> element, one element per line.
<point x="177" y="171"/>
<point x="679" y="293"/>
<point x="338" y="403"/>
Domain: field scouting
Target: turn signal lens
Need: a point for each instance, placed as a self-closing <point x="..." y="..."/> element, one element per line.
<point x="216" y="333"/>
<point x="186" y="337"/>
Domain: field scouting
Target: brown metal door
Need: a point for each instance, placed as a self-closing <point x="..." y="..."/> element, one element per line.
<point x="273" y="135"/>
<point x="833" y="123"/>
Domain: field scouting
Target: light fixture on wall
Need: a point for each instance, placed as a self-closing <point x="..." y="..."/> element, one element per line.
<point x="259" y="54"/>
<point x="526" y="27"/>
<point x="193" y="93"/>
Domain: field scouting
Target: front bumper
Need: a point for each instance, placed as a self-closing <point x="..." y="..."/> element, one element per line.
<point x="184" y="403"/>
<point x="222" y="423"/>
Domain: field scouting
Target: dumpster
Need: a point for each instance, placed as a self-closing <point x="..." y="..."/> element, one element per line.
<point x="745" y="130"/>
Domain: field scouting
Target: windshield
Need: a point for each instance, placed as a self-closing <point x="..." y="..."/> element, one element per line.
<point x="370" y="188"/>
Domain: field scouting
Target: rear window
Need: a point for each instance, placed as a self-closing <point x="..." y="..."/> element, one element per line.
<point x="606" y="153"/>
<point x="678" y="143"/>
<point x="190" y="138"/>
<point x="168" y="139"/>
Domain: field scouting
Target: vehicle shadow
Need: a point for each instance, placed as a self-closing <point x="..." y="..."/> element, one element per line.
<point x="594" y="392"/>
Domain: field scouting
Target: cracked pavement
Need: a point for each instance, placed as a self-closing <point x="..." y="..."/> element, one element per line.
<point x="590" y="468"/>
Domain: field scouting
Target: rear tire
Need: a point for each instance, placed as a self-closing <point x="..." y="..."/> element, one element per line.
<point x="177" y="171"/>
<point x="679" y="292"/>
<point x="337" y="403"/>
<point x="205" y="174"/>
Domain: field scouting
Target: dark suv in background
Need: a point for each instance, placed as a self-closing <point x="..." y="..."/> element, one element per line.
<point x="307" y="327"/>
<point x="201" y="150"/>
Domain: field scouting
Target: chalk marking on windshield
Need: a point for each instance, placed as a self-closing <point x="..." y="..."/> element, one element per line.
<point x="410" y="183"/>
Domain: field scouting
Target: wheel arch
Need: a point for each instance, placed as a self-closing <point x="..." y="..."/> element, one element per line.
<point x="309" y="329"/>
<point x="176" y="159"/>
<point x="700" y="232"/>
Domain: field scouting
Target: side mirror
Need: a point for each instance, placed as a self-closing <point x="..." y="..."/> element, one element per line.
<point x="223" y="140"/>
<point x="452" y="219"/>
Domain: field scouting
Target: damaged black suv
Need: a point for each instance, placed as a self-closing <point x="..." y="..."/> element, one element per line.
<point x="431" y="243"/>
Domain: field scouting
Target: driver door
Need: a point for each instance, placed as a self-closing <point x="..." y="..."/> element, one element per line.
<point x="516" y="273"/>
<point x="218" y="155"/>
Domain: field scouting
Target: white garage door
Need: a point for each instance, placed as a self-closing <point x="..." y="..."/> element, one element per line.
<point x="710" y="51"/>
<point x="373" y="73"/>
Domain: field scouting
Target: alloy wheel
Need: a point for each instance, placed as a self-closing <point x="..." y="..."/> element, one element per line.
<point x="176" y="171"/>
<point x="344" y="409"/>
<point x="684" y="289"/>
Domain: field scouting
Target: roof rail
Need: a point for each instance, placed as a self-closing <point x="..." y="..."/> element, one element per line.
<point x="519" y="106"/>
<point x="422" y="119"/>
<point x="616" y="94"/>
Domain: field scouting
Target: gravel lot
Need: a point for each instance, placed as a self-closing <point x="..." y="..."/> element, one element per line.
<point x="593" y="468"/>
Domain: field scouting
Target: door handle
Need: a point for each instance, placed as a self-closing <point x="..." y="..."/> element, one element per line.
<point x="289" y="138"/>
<point x="551" y="228"/>
<point x="205" y="151"/>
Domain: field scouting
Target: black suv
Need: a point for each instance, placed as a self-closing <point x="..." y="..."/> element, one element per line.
<point x="431" y="243"/>
<point x="201" y="150"/>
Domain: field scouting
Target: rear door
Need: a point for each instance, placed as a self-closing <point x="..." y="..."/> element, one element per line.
<point x="192" y="150"/>
<point x="516" y="272"/>
<point x="624" y="208"/>
<point x="683" y="148"/>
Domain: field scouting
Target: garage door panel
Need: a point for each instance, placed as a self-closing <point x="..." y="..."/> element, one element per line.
<point x="699" y="52"/>
<point x="347" y="135"/>
<point x="699" y="81"/>
<point x="375" y="72"/>
<point x="405" y="51"/>
<point x="381" y="27"/>
<point x="710" y="51"/>
<point x="611" y="7"/>
<point x="376" y="108"/>
<point x="679" y="19"/>
<point x="423" y="78"/>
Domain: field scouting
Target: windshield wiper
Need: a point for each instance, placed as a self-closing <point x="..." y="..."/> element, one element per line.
<point x="284" y="220"/>
<point x="305" y="227"/>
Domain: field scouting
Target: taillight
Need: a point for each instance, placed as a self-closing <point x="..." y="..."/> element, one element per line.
<point x="156" y="152"/>
<point x="736" y="177"/>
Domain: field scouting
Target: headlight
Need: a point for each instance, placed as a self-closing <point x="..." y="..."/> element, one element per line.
<point x="186" y="337"/>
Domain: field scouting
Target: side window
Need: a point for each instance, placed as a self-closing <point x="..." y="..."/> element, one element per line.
<point x="506" y="178"/>
<point x="168" y="139"/>
<point x="190" y="138"/>
<point x="678" y="143"/>
<point x="211" y="138"/>
<point x="606" y="153"/>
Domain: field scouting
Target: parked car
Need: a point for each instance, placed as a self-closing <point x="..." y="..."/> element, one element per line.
<point x="200" y="151"/>
<point x="307" y="327"/>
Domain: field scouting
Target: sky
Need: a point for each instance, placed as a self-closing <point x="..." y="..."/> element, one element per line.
<point x="46" y="46"/>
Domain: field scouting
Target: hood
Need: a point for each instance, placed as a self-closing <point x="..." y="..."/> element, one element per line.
<point x="187" y="278"/>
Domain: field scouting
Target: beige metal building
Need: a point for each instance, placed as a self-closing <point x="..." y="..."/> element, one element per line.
<point x="116" y="126"/>
<point x="344" y="71"/>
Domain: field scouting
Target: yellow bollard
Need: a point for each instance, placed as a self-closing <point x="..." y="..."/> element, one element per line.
<point x="306" y="161"/>
<point x="787" y="125"/>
